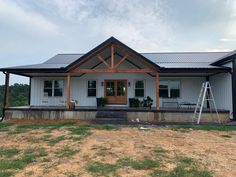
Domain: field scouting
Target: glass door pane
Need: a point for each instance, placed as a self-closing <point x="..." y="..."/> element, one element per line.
<point x="110" y="88"/>
<point x="121" y="88"/>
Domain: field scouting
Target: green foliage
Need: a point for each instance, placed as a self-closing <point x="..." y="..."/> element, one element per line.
<point x="56" y="140"/>
<point x="101" y="169"/>
<point x="139" y="164"/>
<point x="4" y="126"/>
<point x="6" y="173"/>
<point x="105" y="127"/>
<point x="66" y="152"/>
<point x="83" y="130"/>
<point x="19" y="95"/>
<point x="134" y="102"/>
<point x="8" y="152"/>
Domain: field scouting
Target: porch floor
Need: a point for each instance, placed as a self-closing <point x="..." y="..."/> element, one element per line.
<point x="115" y="108"/>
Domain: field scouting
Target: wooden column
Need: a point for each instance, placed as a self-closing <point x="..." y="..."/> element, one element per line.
<point x="157" y="90"/>
<point x="7" y="90"/>
<point x="112" y="56"/>
<point x="68" y="91"/>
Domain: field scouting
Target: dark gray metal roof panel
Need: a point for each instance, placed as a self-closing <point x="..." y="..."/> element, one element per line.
<point x="188" y="57"/>
<point x="63" y="59"/>
<point x="166" y="60"/>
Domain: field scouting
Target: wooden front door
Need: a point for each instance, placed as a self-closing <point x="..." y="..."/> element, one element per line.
<point x="116" y="91"/>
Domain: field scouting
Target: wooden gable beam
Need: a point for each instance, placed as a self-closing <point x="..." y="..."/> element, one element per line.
<point x="137" y="59"/>
<point x="102" y="60"/>
<point x="122" y="60"/>
<point x="89" y="57"/>
<point x="144" y="70"/>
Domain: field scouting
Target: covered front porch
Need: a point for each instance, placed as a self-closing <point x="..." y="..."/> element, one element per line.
<point x="130" y="115"/>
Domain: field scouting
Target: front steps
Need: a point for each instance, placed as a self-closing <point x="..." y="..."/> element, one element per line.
<point x="111" y="117"/>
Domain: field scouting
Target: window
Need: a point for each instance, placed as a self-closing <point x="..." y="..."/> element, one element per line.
<point x="58" y="87"/>
<point x="47" y="88"/>
<point x="53" y="88"/>
<point x="92" y="88"/>
<point x="139" y="88"/>
<point x="169" y="89"/>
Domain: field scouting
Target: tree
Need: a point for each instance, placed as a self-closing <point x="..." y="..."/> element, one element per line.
<point x="19" y="95"/>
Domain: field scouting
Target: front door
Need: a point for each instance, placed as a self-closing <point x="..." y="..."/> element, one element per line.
<point x="116" y="91"/>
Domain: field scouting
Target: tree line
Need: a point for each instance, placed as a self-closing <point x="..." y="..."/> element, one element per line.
<point x="19" y="95"/>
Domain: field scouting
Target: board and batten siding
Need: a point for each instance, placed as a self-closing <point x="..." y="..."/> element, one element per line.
<point x="189" y="88"/>
<point x="222" y="89"/>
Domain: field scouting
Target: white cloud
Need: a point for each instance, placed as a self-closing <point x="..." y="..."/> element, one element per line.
<point x="138" y="23"/>
<point x="13" y="15"/>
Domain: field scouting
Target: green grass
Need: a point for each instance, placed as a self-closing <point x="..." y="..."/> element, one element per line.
<point x="206" y="127"/>
<point x="82" y="130"/>
<point x="101" y="169"/>
<point x="139" y="164"/>
<point x="181" y="171"/>
<point x="49" y="126"/>
<point x="186" y="167"/>
<point x="66" y="152"/>
<point x="9" y="165"/>
<point x="105" y="127"/>
<point x="4" y="126"/>
<point x="56" y="140"/>
<point x="6" y="173"/>
<point x="8" y="152"/>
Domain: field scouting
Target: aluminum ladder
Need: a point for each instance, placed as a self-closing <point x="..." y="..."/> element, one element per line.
<point x="205" y="95"/>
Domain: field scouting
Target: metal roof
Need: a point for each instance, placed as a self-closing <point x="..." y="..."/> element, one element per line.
<point x="166" y="60"/>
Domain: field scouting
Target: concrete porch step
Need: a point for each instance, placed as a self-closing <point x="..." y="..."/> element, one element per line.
<point x="118" y="121"/>
<point x="111" y="114"/>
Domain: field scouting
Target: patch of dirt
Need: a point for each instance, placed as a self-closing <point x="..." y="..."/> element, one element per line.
<point x="213" y="151"/>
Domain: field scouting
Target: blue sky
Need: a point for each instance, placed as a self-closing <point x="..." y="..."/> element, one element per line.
<point x="33" y="31"/>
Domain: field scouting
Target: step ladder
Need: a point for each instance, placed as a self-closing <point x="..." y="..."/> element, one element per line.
<point x="205" y="95"/>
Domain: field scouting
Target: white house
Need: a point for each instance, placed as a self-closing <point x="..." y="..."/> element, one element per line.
<point x="117" y="73"/>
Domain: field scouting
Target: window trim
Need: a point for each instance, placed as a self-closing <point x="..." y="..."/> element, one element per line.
<point x="144" y="88"/>
<point x="170" y="80"/>
<point x="53" y="88"/>
<point x="91" y="88"/>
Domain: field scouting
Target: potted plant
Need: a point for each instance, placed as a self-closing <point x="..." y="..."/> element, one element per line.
<point x="101" y="102"/>
<point x="147" y="102"/>
<point x="134" y="102"/>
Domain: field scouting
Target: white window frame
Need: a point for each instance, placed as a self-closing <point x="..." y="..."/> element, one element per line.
<point x="168" y="81"/>
<point x="53" y="87"/>
<point x="144" y="88"/>
<point x="92" y="88"/>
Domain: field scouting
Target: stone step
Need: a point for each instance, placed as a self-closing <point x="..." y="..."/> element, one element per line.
<point x="111" y="114"/>
<point x="118" y="121"/>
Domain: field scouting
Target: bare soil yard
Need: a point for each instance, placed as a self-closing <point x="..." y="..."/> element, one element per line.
<point x="76" y="149"/>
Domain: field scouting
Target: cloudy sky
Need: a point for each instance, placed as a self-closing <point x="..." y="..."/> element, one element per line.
<point x="33" y="31"/>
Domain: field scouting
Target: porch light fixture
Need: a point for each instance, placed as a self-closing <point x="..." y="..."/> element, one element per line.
<point x="102" y="84"/>
<point x="128" y="84"/>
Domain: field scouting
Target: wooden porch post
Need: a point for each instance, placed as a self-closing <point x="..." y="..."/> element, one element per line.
<point x="68" y="91"/>
<point x="157" y="90"/>
<point x="112" y="56"/>
<point x="7" y="90"/>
